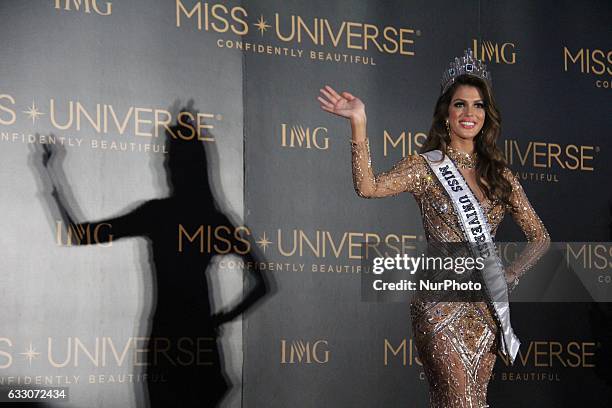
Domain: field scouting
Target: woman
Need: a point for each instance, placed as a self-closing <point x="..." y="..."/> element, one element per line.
<point x="457" y="342"/>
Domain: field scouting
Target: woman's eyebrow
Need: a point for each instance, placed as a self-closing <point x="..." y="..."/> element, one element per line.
<point x="465" y="100"/>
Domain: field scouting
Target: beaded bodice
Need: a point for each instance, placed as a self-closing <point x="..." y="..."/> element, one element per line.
<point x="412" y="174"/>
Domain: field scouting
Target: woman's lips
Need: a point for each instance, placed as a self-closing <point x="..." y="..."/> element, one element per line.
<point x="467" y="124"/>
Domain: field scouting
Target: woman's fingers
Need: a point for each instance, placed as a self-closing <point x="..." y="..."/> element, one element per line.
<point x="348" y="96"/>
<point x="332" y="102"/>
<point x="329" y="96"/>
<point x="326" y="103"/>
<point x="333" y="92"/>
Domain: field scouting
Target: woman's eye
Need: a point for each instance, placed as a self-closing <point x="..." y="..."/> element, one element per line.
<point x="479" y="105"/>
<point x="458" y="104"/>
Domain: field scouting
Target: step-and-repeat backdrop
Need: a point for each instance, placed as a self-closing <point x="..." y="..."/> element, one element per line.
<point x="167" y="167"/>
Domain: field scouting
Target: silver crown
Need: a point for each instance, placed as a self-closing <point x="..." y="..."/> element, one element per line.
<point x="467" y="65"/>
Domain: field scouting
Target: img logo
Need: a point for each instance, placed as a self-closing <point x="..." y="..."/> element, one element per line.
<point x="304" y="137"/>
<point x="83" y="234"/>
<point x="86" y="6"/>
<point x="489" y="51"/>
<point x="304" y="352"/>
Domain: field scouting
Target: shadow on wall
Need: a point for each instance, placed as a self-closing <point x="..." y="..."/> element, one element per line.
<point x="184" y="364"/>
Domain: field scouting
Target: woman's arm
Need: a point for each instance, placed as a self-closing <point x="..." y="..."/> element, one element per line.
<point x="79" y="232"/>
<point x="538" y="239"/>
<point x="256" y="284"/>
<point x="407" y="175"/>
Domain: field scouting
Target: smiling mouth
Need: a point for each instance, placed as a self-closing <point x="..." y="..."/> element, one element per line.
<point x="466" y="124"/>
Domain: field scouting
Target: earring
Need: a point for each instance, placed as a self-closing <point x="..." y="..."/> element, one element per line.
<point x="448" y="130"/>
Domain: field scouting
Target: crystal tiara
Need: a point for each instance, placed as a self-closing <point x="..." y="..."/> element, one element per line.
<point x="467" y="65"/>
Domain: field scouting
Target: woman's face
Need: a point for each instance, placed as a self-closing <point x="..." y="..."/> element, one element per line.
<point x="466" y="112"/>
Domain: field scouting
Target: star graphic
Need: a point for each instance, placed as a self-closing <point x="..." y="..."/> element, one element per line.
<point x="33" y="112"/>
<point x="263" y="242"/>
<point x="30" y="354"/>
<point x="261" y="25"/>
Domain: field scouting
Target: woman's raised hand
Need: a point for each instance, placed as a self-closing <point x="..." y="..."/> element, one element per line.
<point x="344" y="104"/>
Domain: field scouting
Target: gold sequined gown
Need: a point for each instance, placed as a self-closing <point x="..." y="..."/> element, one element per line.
<point x="457" y="342"/>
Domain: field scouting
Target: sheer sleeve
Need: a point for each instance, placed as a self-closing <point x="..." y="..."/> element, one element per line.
<point x="533" y="228"/>
<point x="407" y="175"/>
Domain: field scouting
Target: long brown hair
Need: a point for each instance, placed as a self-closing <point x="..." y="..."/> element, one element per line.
<point x="491" y="163"/>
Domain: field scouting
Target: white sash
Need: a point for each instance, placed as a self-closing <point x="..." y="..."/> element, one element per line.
<point x="476" y="230"/>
